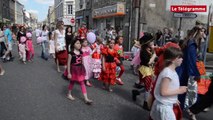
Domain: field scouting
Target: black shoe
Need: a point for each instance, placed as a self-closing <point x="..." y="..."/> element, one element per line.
<point x="135" y="93"/>
<point x="145" y="106"/>
<point x="138" y="86"/>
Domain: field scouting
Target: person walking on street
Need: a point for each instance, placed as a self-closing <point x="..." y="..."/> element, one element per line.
<point x="87" y="61"/>
<point x="109" y="60"/>
<point x="60" y="46"/>
<point x="21" y="33"/>
<point x="44" y="43"/>
<point x="29" y="47"/>
<point x="76" y="70"/>
<point x="119" y="48"/>
<point x="168" y="87"/>
<point x="188" y="71"/>
<point x="68" y="36"/>
<point x="22" y="49"/>
<point x="3" y="47"/>
<point x="8" y="38"/>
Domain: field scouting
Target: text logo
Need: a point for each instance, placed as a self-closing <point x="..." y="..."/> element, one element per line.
<point x="188" y="8"/>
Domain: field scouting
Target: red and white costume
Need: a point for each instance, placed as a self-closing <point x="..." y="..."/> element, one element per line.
<point x="96" y="57"/>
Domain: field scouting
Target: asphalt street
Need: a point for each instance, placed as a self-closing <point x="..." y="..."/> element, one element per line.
<point x="36" y="91"/>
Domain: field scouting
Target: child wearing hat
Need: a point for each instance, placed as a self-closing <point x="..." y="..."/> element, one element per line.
<point x="146" y="72"/>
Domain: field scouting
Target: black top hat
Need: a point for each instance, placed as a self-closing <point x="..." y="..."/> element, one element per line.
<point x="146" y="39"/>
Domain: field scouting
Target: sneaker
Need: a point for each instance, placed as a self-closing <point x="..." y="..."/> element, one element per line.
<point x="70" y="97"/>
<point x="2" y="72"/>
<point x="88" y="102"/>
<point x="206" y="109"/>
<point x="118" y="81"/>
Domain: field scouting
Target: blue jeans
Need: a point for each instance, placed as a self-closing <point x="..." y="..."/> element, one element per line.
<point x="44" y="52"/>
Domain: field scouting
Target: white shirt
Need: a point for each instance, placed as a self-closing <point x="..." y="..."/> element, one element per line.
<point x="44" y="35"/>
<point x="60" y="42"/>
<point x="38" y="32"/>
<point x="174" y="85"/>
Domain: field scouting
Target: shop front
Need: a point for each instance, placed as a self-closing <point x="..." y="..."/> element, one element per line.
<point x="109" y="16"/>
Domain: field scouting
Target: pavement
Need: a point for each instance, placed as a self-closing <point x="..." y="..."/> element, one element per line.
<point x="36" y="91"/>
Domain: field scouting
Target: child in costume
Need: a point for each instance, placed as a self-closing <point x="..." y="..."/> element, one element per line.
<point x="76" y="70"/>
<point x="136" y="57"/>
<point x="147" y="57"/>
<point x="30" y="48"/>
<point x="109" y="60"/>
<point x="119" y="48"/>
<point x="87" y="60"/>
<point x="22" y="49"/>
<point x="96" y="56"/>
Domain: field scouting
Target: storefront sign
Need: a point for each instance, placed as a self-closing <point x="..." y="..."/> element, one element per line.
<point x="108" y="11"/>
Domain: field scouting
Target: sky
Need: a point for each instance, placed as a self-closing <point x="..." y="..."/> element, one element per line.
<point x="40" y="7"/>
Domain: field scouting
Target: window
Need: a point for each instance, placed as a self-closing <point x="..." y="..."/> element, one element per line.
<point x="69" y="9"/>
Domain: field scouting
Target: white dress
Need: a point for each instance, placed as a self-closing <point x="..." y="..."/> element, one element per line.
<point x="51" y="47"/>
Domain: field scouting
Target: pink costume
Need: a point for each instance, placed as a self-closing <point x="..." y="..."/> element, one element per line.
<point x="30" y="49"/>
<point x="136" y="60"/>
<point x="87" y="60"/>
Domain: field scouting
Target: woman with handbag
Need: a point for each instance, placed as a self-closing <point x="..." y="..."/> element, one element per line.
<point x="60" y="46"/>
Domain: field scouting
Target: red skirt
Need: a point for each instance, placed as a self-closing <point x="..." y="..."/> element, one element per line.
<point x="109" y="75"/>
<point x="62" y="57"/>
<point x="78" y="73"/>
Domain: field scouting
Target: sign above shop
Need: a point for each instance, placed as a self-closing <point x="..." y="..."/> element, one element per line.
<point x="108" y="11"/>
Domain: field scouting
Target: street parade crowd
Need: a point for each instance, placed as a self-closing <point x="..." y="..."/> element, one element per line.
<point x="170" y="69"/>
